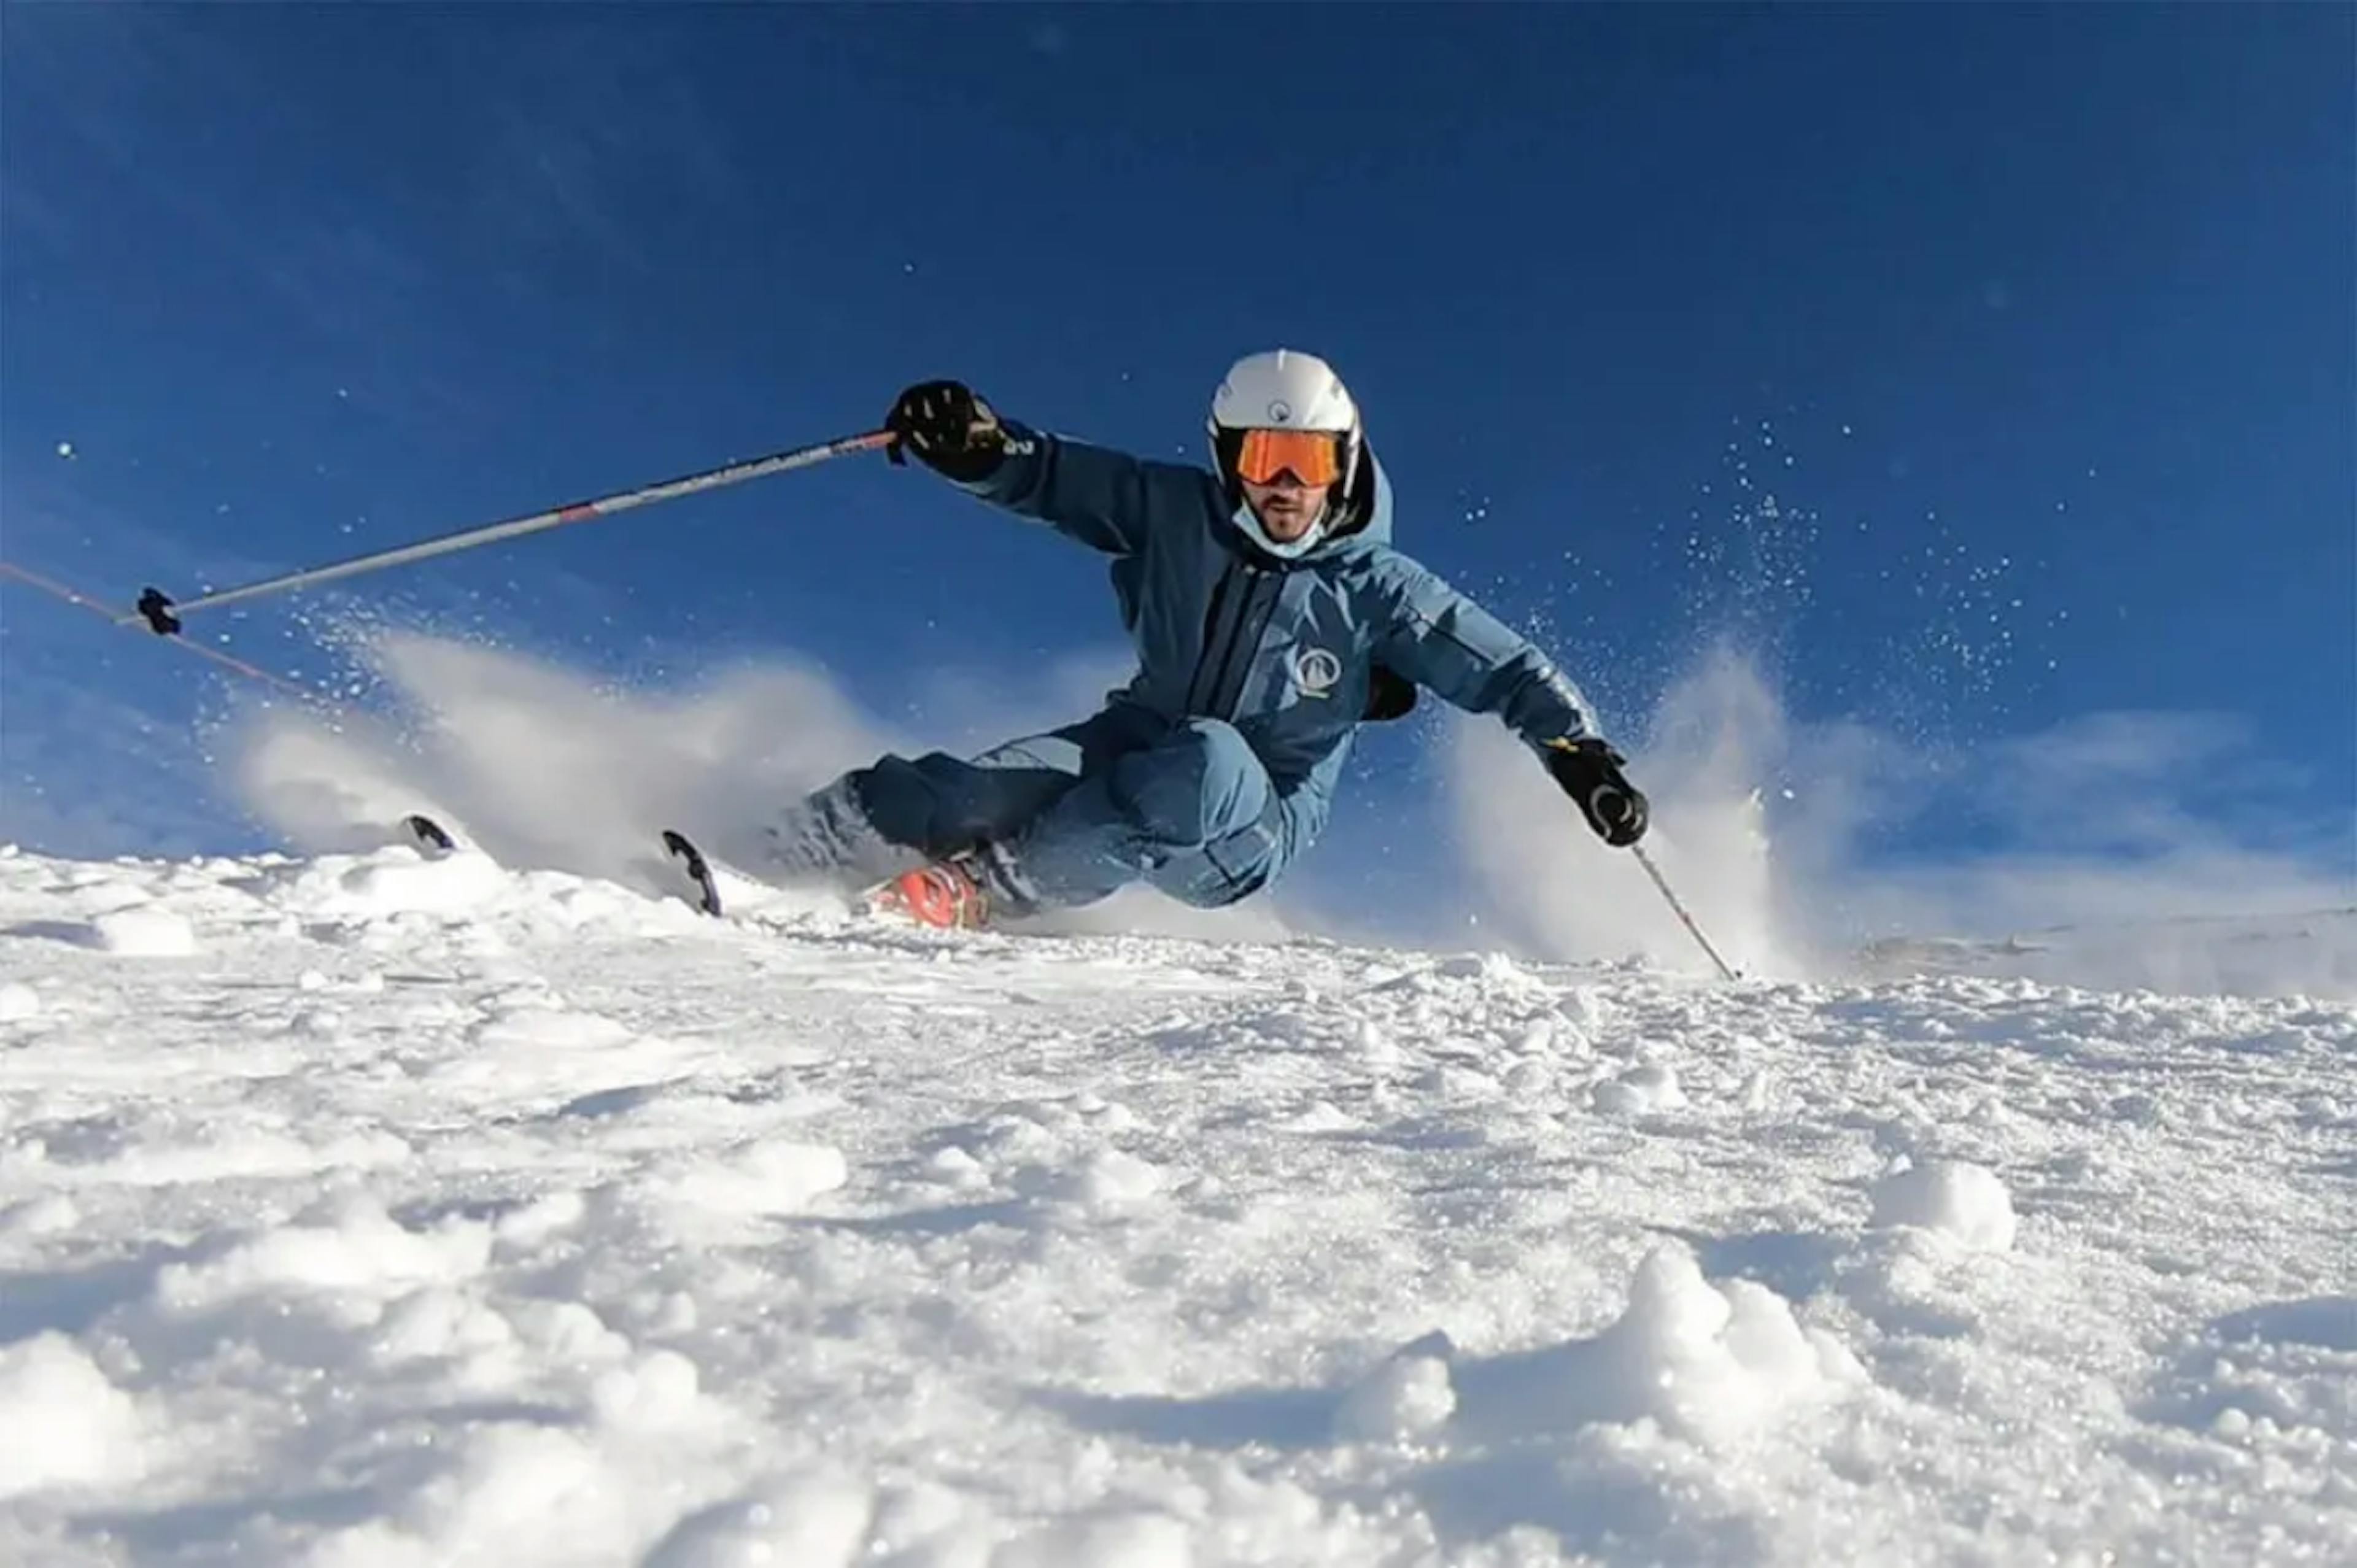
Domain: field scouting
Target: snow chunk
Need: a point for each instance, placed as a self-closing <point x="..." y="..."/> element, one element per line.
<point x="762" y="1178"/>
<point x="816" y="1520"/>
<point x="18" y="1002"/>
<point x="543" y="1218"/>
<point x="1526" y="1081"/>
<point x="62" y="1424"/>
<point x="1952" y="1197"/>
<point x="1711" y="1363"/>
<point x="397" y="881"/>
<point x="549" y="1027"/>
<point x="1404" y="1398"/>
<point x="52" y="1214"/>
<point x="1104" y="1115"/>
<point x="1448" y="1081"/>
<point x="660" y="1389"/>
<point x="144" y="931"/>
<point x="953" y="1164"/>
<point x="1108" y="1179"/>
<point x="1376" y="1048"/>
<point x="1715" y="1361"/>
<point x="1318" y="1116"/>
<point x="436" y="1323"/>
<point x="1124" y="1540"/>
<point x="1638" y="1091"/>
<point x="518" y="1494"/>
<point x="1584" y="1008"/>
<point x="569" y="1331"/>
<point x="362" y="1251"/>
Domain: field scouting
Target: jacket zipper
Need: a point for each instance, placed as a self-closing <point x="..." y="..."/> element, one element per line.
<point x="1198" y="698"/>
<point x="1224" y="697"/>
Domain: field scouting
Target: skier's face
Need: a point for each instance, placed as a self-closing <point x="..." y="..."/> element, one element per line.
<point x="1287" y="509"/>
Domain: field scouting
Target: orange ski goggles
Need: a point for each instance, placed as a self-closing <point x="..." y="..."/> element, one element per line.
<point x="1314" y="457"/>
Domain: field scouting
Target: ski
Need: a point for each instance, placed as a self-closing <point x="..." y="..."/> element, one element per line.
<point x="691" y="860"/>
<point x="434" y="841"/>
<point x="431" y="836"/>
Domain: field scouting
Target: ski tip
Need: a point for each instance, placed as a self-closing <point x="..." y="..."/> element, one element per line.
<point x="429" y="833"/>
<point x="691" y="859"/>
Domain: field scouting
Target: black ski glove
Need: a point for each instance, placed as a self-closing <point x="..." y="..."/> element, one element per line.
<point x="1588" y="770"/>
<point x="952" y="431"/>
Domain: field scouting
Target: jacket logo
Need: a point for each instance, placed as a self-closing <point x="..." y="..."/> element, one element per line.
<point x="1316" y="671"/>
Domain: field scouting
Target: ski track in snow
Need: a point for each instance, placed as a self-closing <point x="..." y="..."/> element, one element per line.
<point x="378" y="1210"/>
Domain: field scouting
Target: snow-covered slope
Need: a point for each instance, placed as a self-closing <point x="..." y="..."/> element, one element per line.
<point x="368" y="1210"/>
<point x="2313" y="950"/>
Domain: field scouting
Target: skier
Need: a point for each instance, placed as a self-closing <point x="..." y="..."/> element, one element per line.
<point x="1271" y="617"/>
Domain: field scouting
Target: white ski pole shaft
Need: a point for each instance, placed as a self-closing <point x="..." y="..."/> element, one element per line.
<point x="162" y="614"/>
<point x="1725" y="970"/>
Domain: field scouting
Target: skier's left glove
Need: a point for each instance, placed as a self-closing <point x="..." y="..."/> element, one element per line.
<point x="953" y="432"/>
<point x="1588" y="770"/>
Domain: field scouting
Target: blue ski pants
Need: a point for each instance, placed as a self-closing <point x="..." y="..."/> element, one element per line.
<point x="1126" y="796"/>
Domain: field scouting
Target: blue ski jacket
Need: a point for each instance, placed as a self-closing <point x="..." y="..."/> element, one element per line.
<point x="1283" y="649"/>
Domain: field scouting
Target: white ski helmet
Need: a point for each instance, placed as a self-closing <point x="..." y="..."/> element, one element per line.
<point x="1285" y="389"/>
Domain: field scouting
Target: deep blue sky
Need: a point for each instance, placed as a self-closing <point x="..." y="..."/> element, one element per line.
<point x="2037" y="324"/>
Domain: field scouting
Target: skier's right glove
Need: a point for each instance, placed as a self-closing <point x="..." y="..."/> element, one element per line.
<point x="1588" y="770"/>
<point x="953" y="432"/>
<point x="1390" y="695"/>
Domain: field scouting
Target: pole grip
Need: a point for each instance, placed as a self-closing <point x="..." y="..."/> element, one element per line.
<point x="158" y="608"/>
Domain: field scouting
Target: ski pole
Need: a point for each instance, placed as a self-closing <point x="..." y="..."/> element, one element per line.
<point x="162" y="616"/>
<point x="227" y="661"/>
<point x="1724" y="971"/>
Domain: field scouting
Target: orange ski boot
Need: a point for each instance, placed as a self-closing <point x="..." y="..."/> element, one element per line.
<point x="944" y="895"/>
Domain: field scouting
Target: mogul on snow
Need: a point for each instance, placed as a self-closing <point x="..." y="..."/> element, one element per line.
<point x="1272" y="616"/>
